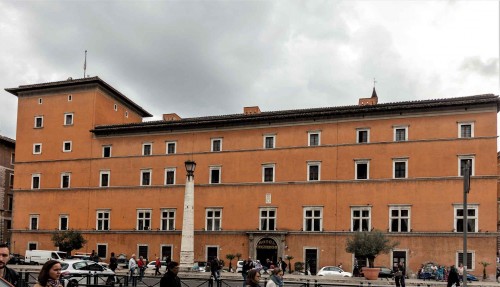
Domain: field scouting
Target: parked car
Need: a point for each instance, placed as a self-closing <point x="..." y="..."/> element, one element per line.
<point x="239" y="266"/>
<point x="75" y="271"/>
<point x="333" y="271"/>
<point x="385" y="272"/>
<point x="16" y="259"/>
<point x="152" y="265"/>
<point x="471" y="277"/>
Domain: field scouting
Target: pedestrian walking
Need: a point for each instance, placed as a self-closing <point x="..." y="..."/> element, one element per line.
<point x="253" y="278"/>
<point x="276" y="278"/>
<point x="282" y="265"/>
<point x="453" y="278"/>
<point x="215" y="267"/>
<point x="132" y="267"/>
<point x="170" y="279"/>
<point x="157" y="266"/>
<point x="400" y="274"/>
<point x="247" y="266"/>
<point x="113" y="262"/>
<point x="141" y="266"/>
<point x="49" y="275"/>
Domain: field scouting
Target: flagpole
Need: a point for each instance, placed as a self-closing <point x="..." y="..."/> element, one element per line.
<point x="85" y="64"/>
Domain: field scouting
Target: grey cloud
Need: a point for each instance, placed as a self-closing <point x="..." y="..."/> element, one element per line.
<point x="487" y="67"/>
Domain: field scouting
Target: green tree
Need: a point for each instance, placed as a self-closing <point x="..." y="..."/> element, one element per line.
<point x="289" y="258"/>
<point x="369" y="245"/>
<point x="238" y="255"/>
<point x="230" y="257"/>
<point x="68" y="240"/>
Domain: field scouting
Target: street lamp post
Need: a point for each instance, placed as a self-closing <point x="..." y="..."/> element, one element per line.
<point x="187" y="241"/>
<point x="467" y="172"/>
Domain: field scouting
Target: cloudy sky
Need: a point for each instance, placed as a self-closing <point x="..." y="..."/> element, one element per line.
<point x="200" y="58"/>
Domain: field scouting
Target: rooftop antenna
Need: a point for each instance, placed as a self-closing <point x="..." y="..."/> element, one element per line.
<point x="85" y="64"/>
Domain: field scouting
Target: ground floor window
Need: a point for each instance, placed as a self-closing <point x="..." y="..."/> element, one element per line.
<point x="470" y="259"/>
<point x="102" y="250"/>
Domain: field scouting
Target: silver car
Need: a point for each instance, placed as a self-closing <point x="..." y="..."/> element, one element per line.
<point x="333" y="271"/>
<point x="75" y="272"/>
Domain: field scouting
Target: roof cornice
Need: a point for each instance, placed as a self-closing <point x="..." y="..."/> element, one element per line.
<point x="328" y="113"/>
<point x="75" y="82"/>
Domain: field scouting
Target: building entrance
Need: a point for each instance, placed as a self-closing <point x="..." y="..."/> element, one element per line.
<point x="267" y="249"/>
<point x="397" y="258"/>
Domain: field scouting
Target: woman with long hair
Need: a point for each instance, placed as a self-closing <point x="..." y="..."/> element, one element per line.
<point x="276" y="278"/>
<point x="253" y="278"/>
<point x="49" y="275"/>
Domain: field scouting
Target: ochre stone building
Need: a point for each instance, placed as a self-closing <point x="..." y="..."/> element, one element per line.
<point x="267" y="184"/>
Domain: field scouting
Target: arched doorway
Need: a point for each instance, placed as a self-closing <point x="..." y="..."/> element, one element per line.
<point x="267" y="249"/>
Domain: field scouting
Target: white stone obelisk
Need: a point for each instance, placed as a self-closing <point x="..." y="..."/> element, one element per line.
<point x="187" y="241"/>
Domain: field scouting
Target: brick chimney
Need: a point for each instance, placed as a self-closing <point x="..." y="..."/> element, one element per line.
<point x="251" y="110"/>
<point x="171" y="117"/>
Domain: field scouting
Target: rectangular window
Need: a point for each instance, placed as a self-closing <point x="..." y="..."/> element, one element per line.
<point x="67" y="146"/>
<point x="13" y="158"/>
<point x="103" y="220"/>
<point x="106" y="151"/>
<point x="68" y="119"/>
<point x="362" y="169"/>
<point x="269" y="141"/>
<point x="32" y="245"/>
<point x="147" y="149"/>
<point x="462" y="161"/>
<point x="361" y="219"/>
<point x="37" y="148"/>
<point x="65" y="180"/>
<point x="400" y="168"/>
<point x="102" y="250"/>
<point x="10" y="202"/>
<point x="104" y="178"/>
<point x="170" y="175"/>
<point x="399" y="218"/>
<point x="472" y="218"/>
<point x="143" y="250"/>
<point x="167" y="219"/>
<point x="11" y="180"/>
<point x="313" y="171"/>
<point x="39" y="101"/>
<point x="35" y="181"/>
<point x="38" y="122"/>
<point x="268" y="219"/>
<point x="466" y="130"/>
<point x="143" y="219"/>
<point x="171" y="147"/>
<point x="34" y="221"/>
<point x="70" y="98"/>
<point x="313" y="219"/>
<point x="213" y="219"/>
<point x="362" y="135"/>
<point x="215" y="174"/>
<point x="145" y="177"/>
<point x="400" y="133"/>
<point x="268" y="173"/>
<point x="63" y="222"/>
<point x="314" y="138"/>
<point x="216" y="144"/>
<point x="470" y="260"/>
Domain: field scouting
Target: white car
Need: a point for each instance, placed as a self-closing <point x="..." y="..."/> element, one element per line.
<point x="76" y="271"/>
<point x="333" y="271"/>
<point x="239" y="266"/>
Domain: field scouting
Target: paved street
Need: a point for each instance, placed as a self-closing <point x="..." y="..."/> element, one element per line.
<point x="195" y="279"/>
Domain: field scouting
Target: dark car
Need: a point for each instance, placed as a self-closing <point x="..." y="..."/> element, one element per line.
<point x="16" y="259"/>
<point x="385" y="272"/>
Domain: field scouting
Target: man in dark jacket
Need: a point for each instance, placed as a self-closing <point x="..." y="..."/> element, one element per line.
<point x="247" y="266"/>
<point x="170" y="279"/>
<point x="7" y="273"/>
<point x="453" y="277"/>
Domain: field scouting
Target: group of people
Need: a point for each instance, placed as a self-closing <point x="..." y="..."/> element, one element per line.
<point x="442" y="273"/>
<point x="251" y="272"/>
